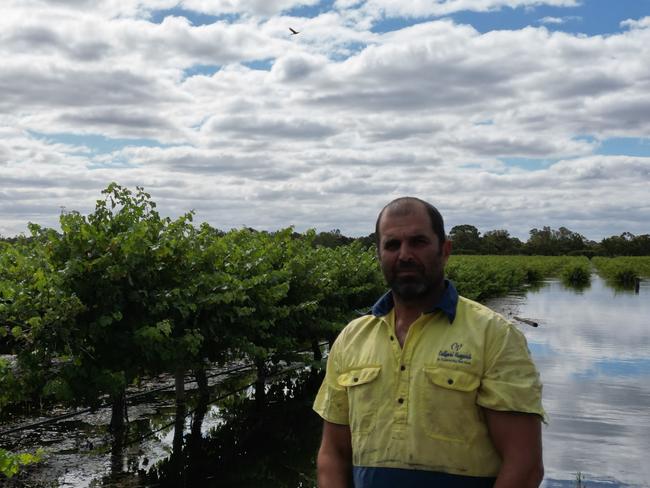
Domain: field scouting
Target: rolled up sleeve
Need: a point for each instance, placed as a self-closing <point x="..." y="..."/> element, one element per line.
<point x="511" y="381"/>
<point x="332" y="399"/>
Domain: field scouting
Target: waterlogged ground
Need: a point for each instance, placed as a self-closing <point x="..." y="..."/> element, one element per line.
<point x="592" y="347"/>
<point x="229" y="442"/>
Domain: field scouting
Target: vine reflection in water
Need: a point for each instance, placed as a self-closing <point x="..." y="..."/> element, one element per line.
<point x="272" y="446"/>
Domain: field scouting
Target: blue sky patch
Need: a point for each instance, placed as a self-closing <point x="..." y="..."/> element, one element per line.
<point x="311" y="11"/>
<point x="391" y="24"/>
<point x="592" y="17"/>
<point x="96" y="144"/>
<point x="530" y="164"/>
<point x="201" y="69"/>
<point x="625" y="146"/>
<point x="260" y="64"/>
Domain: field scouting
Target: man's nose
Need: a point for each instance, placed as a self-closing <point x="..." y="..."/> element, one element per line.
<point x="405" y="252"/>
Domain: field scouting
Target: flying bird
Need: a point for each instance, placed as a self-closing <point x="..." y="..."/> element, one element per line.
<point x="293" y="31"/>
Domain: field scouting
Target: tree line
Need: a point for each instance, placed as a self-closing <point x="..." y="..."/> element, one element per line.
<point x="468" y="240"/>
<point x="541" y="242"/>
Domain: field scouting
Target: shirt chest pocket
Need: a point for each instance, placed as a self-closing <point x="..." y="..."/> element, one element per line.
<point x="448" y="404"/>
<point x="362" y="386"/>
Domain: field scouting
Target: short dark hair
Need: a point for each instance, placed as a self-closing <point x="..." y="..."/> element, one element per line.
<point x="404" y="206"/>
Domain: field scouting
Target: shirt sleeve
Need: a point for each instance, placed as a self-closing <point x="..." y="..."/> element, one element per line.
<point x="511" y="381"/>
<point x="332" y="399"/>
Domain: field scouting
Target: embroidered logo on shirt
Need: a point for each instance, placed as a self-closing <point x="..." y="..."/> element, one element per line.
<point x="455" y="354"/>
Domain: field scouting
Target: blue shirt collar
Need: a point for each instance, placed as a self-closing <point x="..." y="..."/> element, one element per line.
<point x="447" y="303"/>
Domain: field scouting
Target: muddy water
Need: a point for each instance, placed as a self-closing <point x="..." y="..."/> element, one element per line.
<point x="592" y="347"/>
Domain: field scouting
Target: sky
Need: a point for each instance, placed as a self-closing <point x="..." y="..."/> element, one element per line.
<point x="505" y="114"/>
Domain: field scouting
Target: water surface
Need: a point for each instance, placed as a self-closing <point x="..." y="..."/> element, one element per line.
<point x="592" y="348"/>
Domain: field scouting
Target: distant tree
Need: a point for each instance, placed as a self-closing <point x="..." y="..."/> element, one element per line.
<point x="333" y="238"/>
<point x="553" y="242"/>
<point x="499" y="242"/>
<point x="642" y="244"/>
<point x="540" y="241"/>
<point x="465" y="239"/>
<point x="367" y="241"/>
<point x="569" y="241"/>
<point x="627" y="244"/>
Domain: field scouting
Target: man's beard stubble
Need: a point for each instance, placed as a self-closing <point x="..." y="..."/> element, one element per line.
<point x="410" y="288"/>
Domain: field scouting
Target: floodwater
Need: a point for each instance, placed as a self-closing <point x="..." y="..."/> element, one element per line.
<point x="592" y="347"/>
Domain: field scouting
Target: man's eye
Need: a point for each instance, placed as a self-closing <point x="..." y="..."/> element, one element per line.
<point x="391" y="245"/>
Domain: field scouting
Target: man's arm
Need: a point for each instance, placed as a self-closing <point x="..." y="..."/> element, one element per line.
<point x="517" y="438"/>
<point x="335" y="457"/>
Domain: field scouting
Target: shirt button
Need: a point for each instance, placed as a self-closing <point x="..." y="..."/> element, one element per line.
<point x="355" y="379"/>
<point x="392" y="338"/>
<point x="402" y="367"/>
<point x="400" y="400"/>
<point x="450" y="381"/>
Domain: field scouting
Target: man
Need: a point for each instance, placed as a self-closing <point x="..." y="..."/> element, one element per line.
<point x="430" y="389"/>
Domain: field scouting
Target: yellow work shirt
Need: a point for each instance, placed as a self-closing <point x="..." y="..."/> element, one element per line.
<point x="420" y="407"/>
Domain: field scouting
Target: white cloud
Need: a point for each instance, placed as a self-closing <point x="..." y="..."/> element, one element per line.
<point x="252" y="7"/>
<point x="552" y="20"/>
<point x="642" y="23"/>
<point x="344" y="119"/>
<point x="558" y="20"/>
<point x="428" y="8"/>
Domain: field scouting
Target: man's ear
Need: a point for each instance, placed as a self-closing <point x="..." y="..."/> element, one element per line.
<point x="446" y="249"/>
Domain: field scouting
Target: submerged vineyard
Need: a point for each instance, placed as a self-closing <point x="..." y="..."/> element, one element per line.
<point x="123" y="293"/>
<point x="481" y="277"/>
<point x="623" y="270"/>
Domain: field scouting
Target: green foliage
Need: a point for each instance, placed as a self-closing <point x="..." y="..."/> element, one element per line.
<point x="333" y="238"/>
<point x="481" y="277"/>
<point x="627" y="244"/>
<point x="466" y="239"/>
<point x="153" y="295"/>
<point x="10" y="390"/>
<point x="11" y="463"/>
<point x="624" y="271"/>
<point x="34" y="310"/>
<point x="577" y="274"/>
<point x="547" y="241"/>
<point x="112" y="261"/>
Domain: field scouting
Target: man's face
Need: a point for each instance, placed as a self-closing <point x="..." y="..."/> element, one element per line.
<point x="410" y="254"/>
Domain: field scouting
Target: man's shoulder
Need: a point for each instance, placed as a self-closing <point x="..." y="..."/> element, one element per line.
<point x="360" y="323"/>
<point x="358" y="327"/>
<point x="479" y="314"/>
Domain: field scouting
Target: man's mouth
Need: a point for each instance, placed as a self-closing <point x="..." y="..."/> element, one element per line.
<point x="407" y="272"/>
